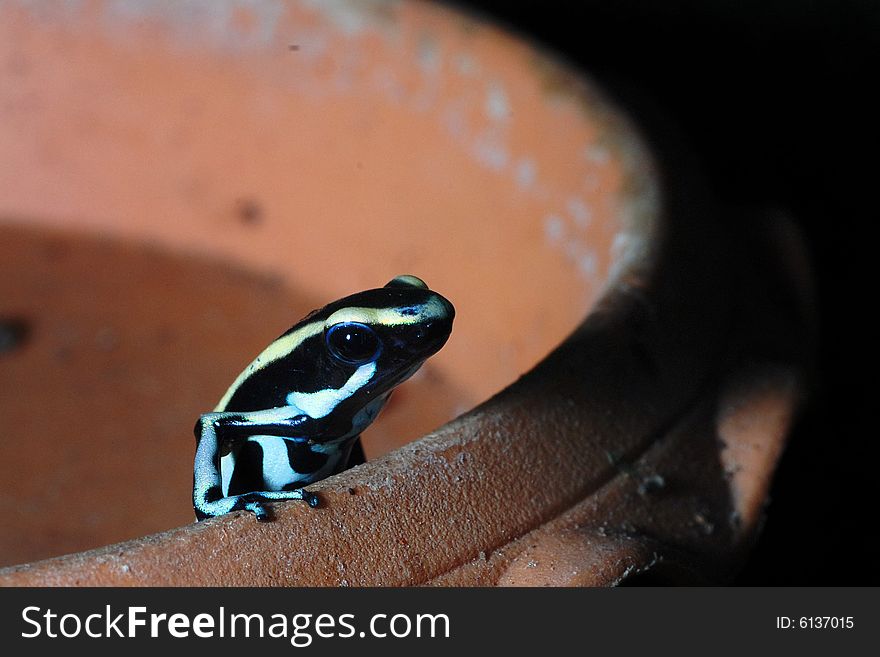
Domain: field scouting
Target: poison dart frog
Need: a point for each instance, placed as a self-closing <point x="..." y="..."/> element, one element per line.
<point x="295" y="414"/>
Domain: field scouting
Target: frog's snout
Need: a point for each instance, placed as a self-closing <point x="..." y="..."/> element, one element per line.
<point x="435" y="331"/>
<point x="449" y="308"/>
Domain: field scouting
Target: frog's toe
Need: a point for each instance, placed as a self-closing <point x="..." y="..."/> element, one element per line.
<point x="260" y="511"/>
<point x="311" y="499"/>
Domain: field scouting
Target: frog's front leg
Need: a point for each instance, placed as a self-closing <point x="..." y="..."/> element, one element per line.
<point x="214" y="429"/>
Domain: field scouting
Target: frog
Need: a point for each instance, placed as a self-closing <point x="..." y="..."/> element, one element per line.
<point x="295" y="414"/>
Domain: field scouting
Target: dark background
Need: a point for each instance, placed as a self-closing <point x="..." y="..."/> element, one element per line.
<point x="774" y="98"/>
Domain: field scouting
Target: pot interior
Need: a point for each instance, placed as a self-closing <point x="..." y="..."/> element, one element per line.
<point x="179" y="186"/>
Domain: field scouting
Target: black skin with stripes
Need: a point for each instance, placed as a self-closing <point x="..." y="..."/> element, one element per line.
<point x="258" y="406"/>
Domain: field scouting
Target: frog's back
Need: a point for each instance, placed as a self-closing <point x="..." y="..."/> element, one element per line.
<point x="287" y="364"/>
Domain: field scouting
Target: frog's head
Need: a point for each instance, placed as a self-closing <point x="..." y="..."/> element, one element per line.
<point x="397" y="326"/>
<point x="394" y="328"/>
<point x="371" y="342"/>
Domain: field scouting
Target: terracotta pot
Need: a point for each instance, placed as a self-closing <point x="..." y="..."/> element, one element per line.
<point x="181" y="182"/>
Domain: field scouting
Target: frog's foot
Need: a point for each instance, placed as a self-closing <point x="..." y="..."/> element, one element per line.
<point x="253" y="502"/>
<point x="261" y="511"/>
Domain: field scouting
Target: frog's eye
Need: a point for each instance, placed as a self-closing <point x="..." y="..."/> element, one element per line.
<point x="353" y="343"/>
